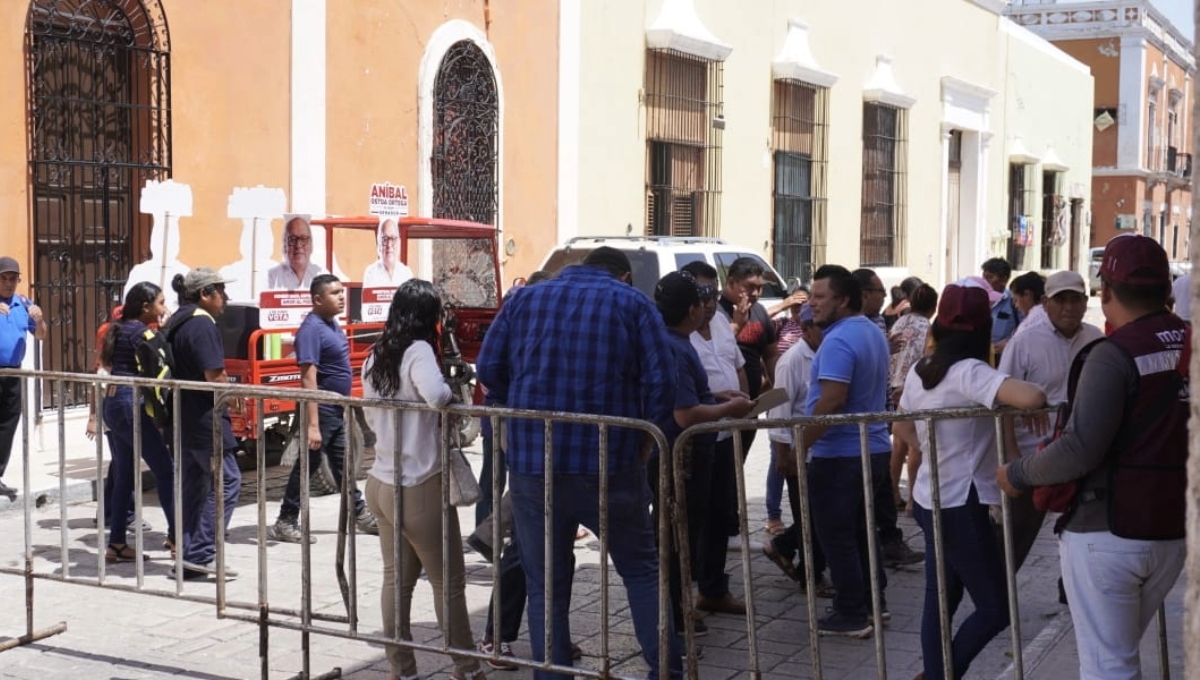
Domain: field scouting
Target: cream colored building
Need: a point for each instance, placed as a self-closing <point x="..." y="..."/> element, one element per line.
<point x="860" y="132"/>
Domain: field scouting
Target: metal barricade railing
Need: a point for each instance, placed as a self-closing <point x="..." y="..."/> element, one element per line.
<point x="671" y="518"/>
<point x="305" y="619"/>
<point x="862" y="422"/>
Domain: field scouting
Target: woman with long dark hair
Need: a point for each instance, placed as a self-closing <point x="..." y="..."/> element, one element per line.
<point x="144" y="305"/>
<point x="404" y="366"/>
<point x="957" y="375"/>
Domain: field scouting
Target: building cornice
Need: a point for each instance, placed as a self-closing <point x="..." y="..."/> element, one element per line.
<point x="996" y="7"/>
<point x="1110" y="171"/>
<point x="1105" y="18"/>
<point x="679" y="28"/>
<point x="883" y="89"/>
<point x="795" y="60"/>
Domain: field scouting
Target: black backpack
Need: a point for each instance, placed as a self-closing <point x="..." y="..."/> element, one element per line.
<point x="155" y="359"/>
<point x="152" y="353"/>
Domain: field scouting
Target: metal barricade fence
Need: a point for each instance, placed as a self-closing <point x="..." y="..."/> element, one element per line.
<point x="862" y="421"/>
<point x="305" y="619"/>
<point x="671" y="526"/>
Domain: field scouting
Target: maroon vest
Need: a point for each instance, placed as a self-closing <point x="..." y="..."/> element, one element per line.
<point x="1148" y="465"/>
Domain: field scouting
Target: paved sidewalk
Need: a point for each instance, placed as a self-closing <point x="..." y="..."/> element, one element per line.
<point x="113" y="634"/>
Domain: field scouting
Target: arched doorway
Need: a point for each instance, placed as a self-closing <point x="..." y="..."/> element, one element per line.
<point x="466" y="112"/>
<point x="98" y="78"/>
<point x="464" y="168"/>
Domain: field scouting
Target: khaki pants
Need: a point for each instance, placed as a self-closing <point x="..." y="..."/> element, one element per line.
<point x="420" y="534"/>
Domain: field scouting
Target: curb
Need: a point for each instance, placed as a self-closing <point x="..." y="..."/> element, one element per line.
<point x="1041" y="646"/>
<point x="75" y="492"/>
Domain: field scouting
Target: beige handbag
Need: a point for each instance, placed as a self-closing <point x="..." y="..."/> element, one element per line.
<point x="464" y="488"/>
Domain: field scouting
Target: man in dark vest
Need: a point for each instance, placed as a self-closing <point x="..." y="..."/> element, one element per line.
<point x="1122" y="542"/>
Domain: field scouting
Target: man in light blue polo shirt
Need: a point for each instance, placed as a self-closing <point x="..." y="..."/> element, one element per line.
<point x="18" y="316"/>
<point x="849" y="375"/>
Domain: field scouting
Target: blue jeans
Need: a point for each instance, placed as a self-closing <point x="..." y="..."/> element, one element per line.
<point x="200" y="500"/>
<point x="118" y="416"/>
<point x="332" y="423"/>
<point x="483" y="509"/>
<point x="774" y="490"/>
<point x="835" y="488"/>
<point x="575" y="501"/>
<point x="973" y="563"/>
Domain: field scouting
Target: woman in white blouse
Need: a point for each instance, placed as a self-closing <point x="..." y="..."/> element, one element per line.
<point x="404" y="366"/>
<point x="957" y="375"/>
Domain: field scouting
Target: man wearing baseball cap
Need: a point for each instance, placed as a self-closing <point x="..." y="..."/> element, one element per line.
<point x="18" y="316"/>
<point x="1041" y="353"/>
<point x="1121" y="541"/>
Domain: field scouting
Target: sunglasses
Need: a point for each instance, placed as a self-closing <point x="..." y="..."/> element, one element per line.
<point x="707" y="292"/>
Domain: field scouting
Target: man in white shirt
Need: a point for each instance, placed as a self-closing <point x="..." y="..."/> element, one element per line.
<point x="296" y="272"/>
<point x="724" y="365"/>
<point x="388" y="271"/>
<point x="792" y="374"/>
<point x="1042" y="353"/>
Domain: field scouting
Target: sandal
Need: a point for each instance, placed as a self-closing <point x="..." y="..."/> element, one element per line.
<point x="775" y="527"/>
<point x="780" y="561"/>
<point x="122" y="552"/>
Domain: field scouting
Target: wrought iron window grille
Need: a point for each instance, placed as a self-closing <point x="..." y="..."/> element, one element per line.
<point x="800" y="139"/>
<point x="884" y="186"/>
<point x="684" y="128"/>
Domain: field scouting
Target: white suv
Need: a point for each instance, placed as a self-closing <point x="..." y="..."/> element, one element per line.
<point x="652" y="257"/>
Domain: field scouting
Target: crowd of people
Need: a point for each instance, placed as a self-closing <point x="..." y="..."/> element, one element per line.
<point x="699" y="352"/>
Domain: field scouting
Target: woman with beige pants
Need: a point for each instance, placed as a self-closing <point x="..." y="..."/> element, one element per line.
<point x="403" y="366"/>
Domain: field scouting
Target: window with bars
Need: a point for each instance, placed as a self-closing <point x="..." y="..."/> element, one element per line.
<point x="799" y="137"/>
<point x="884" y="185"/>
<point x="684" y="120"/>
<point x="1020" y="204"/>
<point x="1054" y="220"/>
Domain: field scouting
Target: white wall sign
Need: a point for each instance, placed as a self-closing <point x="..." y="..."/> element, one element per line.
<point x="283" y="308"/>
<point x="375" y="304"/>
<point x="389" y="199"/>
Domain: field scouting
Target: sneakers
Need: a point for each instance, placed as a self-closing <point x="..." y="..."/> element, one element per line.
<point x="846" y="626"/>
<point x="6" y="490"/>
<point x="366" y="522"/>
<point x="477" y="544"/>
<point x="498" y="662"/>
<point x="287" y="530"/>
<point x="198" y="572"/>
<point x="896" y="553"/>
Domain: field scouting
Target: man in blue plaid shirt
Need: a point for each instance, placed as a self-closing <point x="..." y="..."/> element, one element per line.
<point x="584" y="342"/>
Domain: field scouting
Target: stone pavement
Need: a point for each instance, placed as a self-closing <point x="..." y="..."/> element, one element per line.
<point x="114" y="634"/>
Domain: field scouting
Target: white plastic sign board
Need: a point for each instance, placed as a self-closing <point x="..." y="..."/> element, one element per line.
<point x="389" y="199"/>
<point x="375" y="304"/>
<point x="283" y="308"/>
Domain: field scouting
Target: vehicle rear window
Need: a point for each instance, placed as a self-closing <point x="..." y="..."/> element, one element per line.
<point x="644" y="264"/>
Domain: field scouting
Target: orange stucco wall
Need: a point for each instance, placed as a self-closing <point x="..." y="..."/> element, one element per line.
<point x="230" y="126"/>
<point x="14" y="168"/>
<point x="230" y="109"/>
<point x="374" y="62"/>
<point x="1102" y="56"/>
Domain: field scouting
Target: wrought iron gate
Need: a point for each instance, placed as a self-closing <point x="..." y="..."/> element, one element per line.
<point x="99" y="127"/>
<point x="466" y="113"/>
